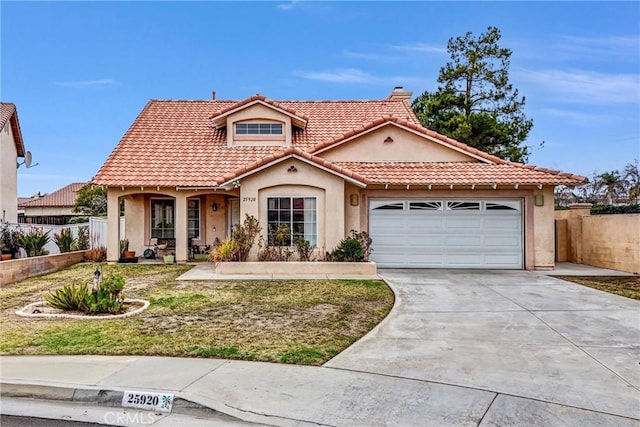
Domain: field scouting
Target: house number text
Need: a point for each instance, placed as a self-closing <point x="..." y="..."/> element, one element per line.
<point x="248" y="199"/>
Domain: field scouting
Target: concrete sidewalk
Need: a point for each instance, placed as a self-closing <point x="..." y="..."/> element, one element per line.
<point x="269" y="394"/>
<point x="460" y="348"/>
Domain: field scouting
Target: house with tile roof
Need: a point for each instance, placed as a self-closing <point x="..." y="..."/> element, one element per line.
<point x="188" y="171"/>
<point x="11" y="149"/>
<point x="55" y="208"/>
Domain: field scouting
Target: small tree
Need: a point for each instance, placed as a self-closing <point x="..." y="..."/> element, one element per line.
<point x="91" y="201"/>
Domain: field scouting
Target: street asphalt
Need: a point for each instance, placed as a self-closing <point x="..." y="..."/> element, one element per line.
<point x="459" y="348"/>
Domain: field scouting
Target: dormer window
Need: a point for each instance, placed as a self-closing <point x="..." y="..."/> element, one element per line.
<point x="259" y="129"/>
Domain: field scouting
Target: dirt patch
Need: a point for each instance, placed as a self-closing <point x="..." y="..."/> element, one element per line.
<point x="626" y="286"/>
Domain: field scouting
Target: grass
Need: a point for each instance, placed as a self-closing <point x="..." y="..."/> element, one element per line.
<point x="288" y="321"/>
<point x="626" y="286"/>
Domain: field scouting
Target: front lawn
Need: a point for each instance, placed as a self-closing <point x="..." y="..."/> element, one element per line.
<point x="627" y="286"/>
<point x="290" y="321"/>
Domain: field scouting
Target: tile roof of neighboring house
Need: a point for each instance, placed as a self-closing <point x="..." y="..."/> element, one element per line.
<point x="64" y="197"/>
<point x="458" y="173"/>
<point x="8" y="112"/>
<point x="175" y="143"/>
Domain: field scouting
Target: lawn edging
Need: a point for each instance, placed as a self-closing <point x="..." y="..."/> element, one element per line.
<point x="297" y="267"/>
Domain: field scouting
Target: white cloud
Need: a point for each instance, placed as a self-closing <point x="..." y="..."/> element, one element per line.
<point x="623" y="47"/>
<point x="287" y="6"/>
<point x="578" y="117"/>
<point x="348" y="75"/>
<point x="585" y="87"/>
<point x="377" y="57"/>
<point x="80" y="84"/>
<point x="419" y="47"/>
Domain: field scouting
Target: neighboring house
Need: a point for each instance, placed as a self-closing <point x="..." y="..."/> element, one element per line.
<point x="11" y="148"/>
<point x="53" y="209"/>
<point x="187" y="171"/>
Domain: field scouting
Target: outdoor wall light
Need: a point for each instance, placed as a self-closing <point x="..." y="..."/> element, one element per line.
<point x="214" y="207"/>
<point x="354" y="200"/>
<point x="538" y="200"/>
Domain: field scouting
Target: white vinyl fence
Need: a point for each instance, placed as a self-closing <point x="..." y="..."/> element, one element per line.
<point x="97" y="232"/>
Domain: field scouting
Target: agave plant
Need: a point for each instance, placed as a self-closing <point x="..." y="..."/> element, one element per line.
<point x="34" y="242"/>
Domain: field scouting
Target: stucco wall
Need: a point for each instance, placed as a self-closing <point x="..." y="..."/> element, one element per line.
<point x="23" y="268"/>
<point x="406" y="147"/>
<point x="8" y="176"/>
<point x="309" y="182"/>
<point x="254" y="114"/>
<point x="607" y="241"/>
<point x="544" y="233"/>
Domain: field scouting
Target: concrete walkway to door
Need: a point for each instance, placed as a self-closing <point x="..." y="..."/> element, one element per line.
<point x="545" y="346"/>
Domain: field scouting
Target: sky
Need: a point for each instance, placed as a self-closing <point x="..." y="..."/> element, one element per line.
<point x="80" y="72"/>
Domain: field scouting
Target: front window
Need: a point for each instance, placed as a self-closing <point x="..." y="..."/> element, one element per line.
<point x="298" y="213"/>
<point x="193" y="218"/>
<point x="162" y="218"/>
<point x="258" y="128"/>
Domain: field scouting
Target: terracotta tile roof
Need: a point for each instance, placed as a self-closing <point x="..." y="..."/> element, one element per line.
<point x="260" y="98"/>
<point x="9" y="112"/>
<point x="64" y="197"/>
<point x="412" y="126"/>
<point x="291" y="152"/>
<point x="459" y="173"/>
<point x="174" y="143"/>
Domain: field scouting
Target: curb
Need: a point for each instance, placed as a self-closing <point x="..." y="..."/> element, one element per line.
<point x="109" y="398"/>
<point x="101" y="397"/>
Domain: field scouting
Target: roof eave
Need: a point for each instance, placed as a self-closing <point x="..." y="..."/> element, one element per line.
<point x="235" y="181"/>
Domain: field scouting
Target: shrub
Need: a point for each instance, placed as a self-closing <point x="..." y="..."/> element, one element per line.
<point x="9" y="239"/>
<point x="349" y="250"/>
<point x="615" y="209"/>
<point x="70" y="297"/>
<point x="82" y="241"/>
<point x="280" y="250"/>
<point x="34" y="242"/>
<point x="303" y="248"/>
<point x="64" y="240"/>
<point x="227" y="250"/>
<point x="354" y="248"/>
<point x="245" y="236"/>
<point x="98" y="254"/>
<point x="365" y="240"/>
<point x="109" y="297"/>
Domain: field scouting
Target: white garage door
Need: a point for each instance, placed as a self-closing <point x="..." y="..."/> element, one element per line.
<point x="446" y="233"/>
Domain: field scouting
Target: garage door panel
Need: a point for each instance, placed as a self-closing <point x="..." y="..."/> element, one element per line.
<point x="463" y="222"/>
<point x="460" y="234"/>
<point x="463" y="241"/>
<point x="508" y="243"/>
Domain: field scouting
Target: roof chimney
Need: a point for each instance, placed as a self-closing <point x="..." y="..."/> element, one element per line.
<point x="213" y="95"/>
<point x="398" y="94"/>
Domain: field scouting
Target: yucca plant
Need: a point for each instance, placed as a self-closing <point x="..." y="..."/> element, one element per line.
<point x="34" y="242"/>
<point x="69" y="297"/>
<point x="64" y="239"/>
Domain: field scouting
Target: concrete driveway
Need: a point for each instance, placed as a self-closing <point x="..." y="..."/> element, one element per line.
<point x="520" y="334"/>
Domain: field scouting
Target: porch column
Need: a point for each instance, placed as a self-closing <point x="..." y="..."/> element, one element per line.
<point x="113" y="226"/>
<point x="182" y="242"/>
